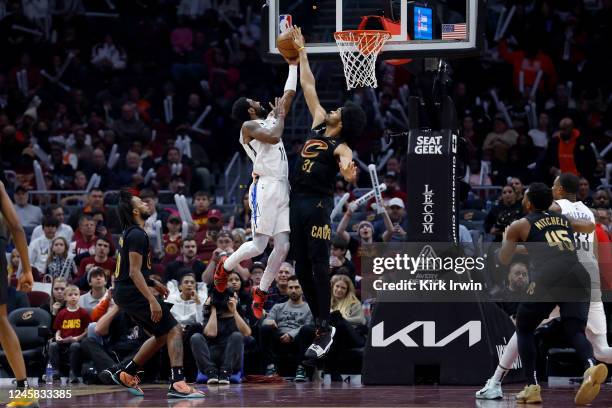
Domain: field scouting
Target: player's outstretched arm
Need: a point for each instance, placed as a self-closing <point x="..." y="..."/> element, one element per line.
<point x="307" y="80"/>
<point x="290" y="84"/>
<point x="16" y="229"/>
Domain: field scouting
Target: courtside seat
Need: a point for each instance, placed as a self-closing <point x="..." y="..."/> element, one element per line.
<point x="32" y="326"/>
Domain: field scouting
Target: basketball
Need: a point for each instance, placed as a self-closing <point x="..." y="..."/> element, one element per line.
<point x="286" y="46"/>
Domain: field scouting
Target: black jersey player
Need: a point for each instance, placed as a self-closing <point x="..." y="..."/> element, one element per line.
<point x="326" y="151"/>
<point x="556" y="272"/>
<point x="135" y="293"/>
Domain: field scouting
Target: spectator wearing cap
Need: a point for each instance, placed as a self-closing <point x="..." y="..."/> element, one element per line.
<point x="39" y="249"/>
<point x="96" y="277"/>
<point x="568" y="152"/>
<point x="29" y="215"/>
<point x="64" y="230"/>
<point x="101" y="259"/>
<point x="338" y="259"/>
<point x="500" y="140"/>
<point x="278" y="292"/>
<point x="171" y="242"/>
<point x="187" y="260"/>
<point x="201" y="204"/>
<point x="62" y="172"/>
<point x="399" y="220"/>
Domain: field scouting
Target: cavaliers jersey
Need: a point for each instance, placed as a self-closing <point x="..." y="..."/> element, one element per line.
<point x="269" y="160"/>
<point x="555" y="230"/>
<point x="317" y="167"/>
<point x="584" y="242"/>
<point x="134" y="239"/>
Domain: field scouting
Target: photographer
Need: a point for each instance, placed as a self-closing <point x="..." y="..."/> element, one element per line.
<point x="219" y="349"/>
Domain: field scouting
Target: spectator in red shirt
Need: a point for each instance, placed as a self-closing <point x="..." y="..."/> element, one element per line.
<point x="172" y="240"/>
<point x="101" y="258"/>
<point x="530" y="61"/>
<point x="188" y="260"/>
<point x="85" y="238"/>
<point x="604" y="247"/>
<point x="71" y="327"/>
<point x="201" y="202"/>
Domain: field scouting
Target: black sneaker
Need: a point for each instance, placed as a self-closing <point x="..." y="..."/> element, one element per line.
<point x="224" y="378"/>
<point x="213" y="377"/>
<point x="320" y="346"/>
<point x="300" y="374"/>
<point x="106" y="377"/>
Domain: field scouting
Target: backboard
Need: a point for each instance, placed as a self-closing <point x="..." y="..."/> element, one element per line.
<point x="427" y="28"/>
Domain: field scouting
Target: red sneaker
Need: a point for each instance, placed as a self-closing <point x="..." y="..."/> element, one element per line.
<point x="220" y="277"/>
<point x="259" y="298"/>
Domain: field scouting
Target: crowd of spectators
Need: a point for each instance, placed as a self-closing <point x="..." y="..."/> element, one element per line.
<point x="142" y="100"/>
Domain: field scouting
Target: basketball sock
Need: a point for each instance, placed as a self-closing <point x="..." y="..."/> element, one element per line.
<point x="601" y="350"/>
<point x="276" y="258"/>
<point x="131" y="368"/>
<point x="23" y="383"/>
<point x="533" y="379"/>
<point x="177" y="374"/>
<point x="507" y="359"/>
<point x="247" y="250"/>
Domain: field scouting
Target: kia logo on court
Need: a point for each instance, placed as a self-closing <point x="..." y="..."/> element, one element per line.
<point x="473" y="328"/>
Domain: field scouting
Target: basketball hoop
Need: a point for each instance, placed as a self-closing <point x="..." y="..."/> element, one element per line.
<point x="358" y="50"/>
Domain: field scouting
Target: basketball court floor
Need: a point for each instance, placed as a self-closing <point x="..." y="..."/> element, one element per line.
<point x="311" y="395"/>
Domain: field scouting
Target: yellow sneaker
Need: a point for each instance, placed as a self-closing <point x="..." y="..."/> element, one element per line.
<point x="593" y="378"/>
<point x="529" y="395"/>
<point x="23" y="403"/>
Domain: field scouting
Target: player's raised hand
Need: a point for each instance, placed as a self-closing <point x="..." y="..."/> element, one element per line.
<point x="298" y="38"/>
<point x="278" y="108"/>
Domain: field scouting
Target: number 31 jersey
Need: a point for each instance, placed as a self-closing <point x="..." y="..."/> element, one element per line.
<point x="269" y="160"/>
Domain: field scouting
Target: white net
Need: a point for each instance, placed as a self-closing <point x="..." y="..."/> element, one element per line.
<point x="358" y="50"/>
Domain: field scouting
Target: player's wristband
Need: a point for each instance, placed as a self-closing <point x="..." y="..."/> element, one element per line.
<point x="291" y="84"/>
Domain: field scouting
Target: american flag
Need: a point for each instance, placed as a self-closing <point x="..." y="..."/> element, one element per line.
<point x="454" y="31"/>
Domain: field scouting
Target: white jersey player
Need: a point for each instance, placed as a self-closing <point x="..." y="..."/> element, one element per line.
<point x="260" y="135"/>
<point x="564" y="191"/>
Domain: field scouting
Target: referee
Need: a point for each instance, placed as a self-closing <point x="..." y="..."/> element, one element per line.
<point x="312" y="190"/>
<point x="134" y="294"/>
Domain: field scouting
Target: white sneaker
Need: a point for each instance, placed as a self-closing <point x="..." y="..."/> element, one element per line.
<point x="492" y="390"/>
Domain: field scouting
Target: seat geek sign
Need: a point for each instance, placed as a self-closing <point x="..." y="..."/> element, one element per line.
<point x="431" y="167"/>
<point x="428" y="145"/>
